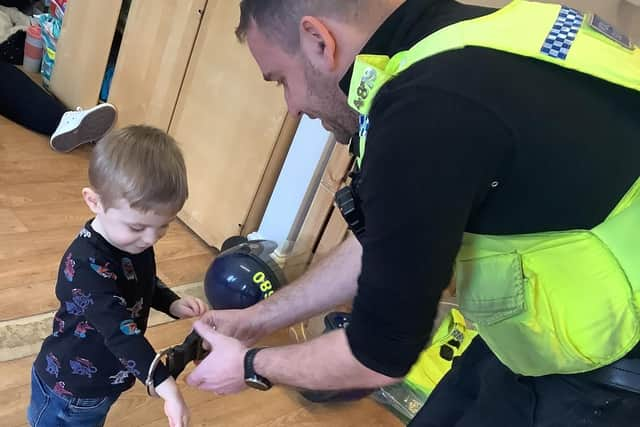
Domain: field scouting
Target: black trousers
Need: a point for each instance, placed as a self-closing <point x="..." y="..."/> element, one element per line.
<point x="26" y="103"/>
<point x="20" y="4"/>
<point x="480" y="391"/>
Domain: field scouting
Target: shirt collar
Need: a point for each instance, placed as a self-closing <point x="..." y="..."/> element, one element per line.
<point x="408" y="24"/>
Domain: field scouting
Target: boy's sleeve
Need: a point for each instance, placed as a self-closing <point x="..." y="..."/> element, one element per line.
<point x="163" y="297"/>
<point x="95" y="295"/>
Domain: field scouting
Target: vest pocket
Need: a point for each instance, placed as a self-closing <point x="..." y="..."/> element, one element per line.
<point x="559" y="307"/>
<point x="490" y="289"/>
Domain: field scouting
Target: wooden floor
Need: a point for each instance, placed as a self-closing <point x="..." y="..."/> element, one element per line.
<point x="276" y="408"/>
<point x="40" y="212"/>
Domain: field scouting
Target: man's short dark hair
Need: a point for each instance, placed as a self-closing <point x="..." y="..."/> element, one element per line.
<point x="279" y="19"/>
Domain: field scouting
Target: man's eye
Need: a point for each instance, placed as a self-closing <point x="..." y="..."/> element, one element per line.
<point x="136" y="229"/>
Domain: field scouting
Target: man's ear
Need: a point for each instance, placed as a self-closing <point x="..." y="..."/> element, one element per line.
<point x="92" y="199"/>
<point x="317" y="44"/>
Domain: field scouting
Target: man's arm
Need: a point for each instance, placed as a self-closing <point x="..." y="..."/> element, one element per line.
<point x="324" y="363"/>
<point x="330" y="282"/>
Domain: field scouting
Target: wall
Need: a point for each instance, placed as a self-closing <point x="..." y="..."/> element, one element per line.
<point x="296" y="184"/>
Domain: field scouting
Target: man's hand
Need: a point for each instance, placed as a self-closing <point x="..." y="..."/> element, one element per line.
<point x="242" y="325"/>
<point x="188" y="307"/>
<point x="222" y="371"/>
<point x="175" y="408"/>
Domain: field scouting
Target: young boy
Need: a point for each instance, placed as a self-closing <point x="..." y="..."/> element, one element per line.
<point x="107" y="284"/>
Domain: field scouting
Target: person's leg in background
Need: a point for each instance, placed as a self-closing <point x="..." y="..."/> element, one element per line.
<point x="20" y="4"/>
<point x="26" y="103"/>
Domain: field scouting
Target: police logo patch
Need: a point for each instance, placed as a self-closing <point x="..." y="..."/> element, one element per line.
<point x="363" y="125"/>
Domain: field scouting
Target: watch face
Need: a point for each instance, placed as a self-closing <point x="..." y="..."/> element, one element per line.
<point x="257" y="383"/>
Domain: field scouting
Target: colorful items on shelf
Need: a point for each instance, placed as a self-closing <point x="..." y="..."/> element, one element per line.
<point x="33" y="49"/>
<point x="51" y="24"/>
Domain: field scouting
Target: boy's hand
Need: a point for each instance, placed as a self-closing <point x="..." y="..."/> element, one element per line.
<point x="188" y="307"/>
<point x="174" y="406"/>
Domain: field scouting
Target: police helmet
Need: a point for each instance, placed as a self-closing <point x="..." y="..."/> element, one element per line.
<point x="242" y="274"/>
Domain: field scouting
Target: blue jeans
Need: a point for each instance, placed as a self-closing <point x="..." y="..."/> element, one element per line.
<point x="48" y="409"/>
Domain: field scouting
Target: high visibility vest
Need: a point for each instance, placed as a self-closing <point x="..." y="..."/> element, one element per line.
<point x="550" y="302"/>
<point x="450" y="340"/>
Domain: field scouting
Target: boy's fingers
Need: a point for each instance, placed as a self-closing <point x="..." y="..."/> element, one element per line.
<point x="203" y="307"/>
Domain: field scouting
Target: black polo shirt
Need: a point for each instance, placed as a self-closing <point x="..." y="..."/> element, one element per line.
<point x="473" y="140"/>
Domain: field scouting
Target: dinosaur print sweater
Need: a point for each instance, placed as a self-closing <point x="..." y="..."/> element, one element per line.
<point x="97" y="347"/>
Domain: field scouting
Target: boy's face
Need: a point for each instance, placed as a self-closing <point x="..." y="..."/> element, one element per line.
<point x="128" y="229"/>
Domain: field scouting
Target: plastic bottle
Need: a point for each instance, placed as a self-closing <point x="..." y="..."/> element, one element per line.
<point x="33" y="49"/>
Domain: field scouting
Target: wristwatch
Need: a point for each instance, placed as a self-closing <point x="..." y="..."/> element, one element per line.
<point x="251" y="378"/>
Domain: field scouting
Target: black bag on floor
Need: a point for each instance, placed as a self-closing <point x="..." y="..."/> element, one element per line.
<point x="12" y="49"/>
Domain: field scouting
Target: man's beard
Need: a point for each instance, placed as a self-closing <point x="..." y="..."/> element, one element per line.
<point x="341" y="134"/>
<point x="342" y="123"/>
<point x="331" y="105"/>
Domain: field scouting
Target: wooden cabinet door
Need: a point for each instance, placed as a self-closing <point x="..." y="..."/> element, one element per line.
<point x="154" y="53"/>
<point x="82" y="51"/>
<point x="227" y="121"/>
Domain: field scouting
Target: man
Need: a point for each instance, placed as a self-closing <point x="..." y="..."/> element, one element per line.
<point x="459" y="144"/>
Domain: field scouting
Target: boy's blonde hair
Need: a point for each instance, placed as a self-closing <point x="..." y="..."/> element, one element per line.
<point x="142" y="165"/>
